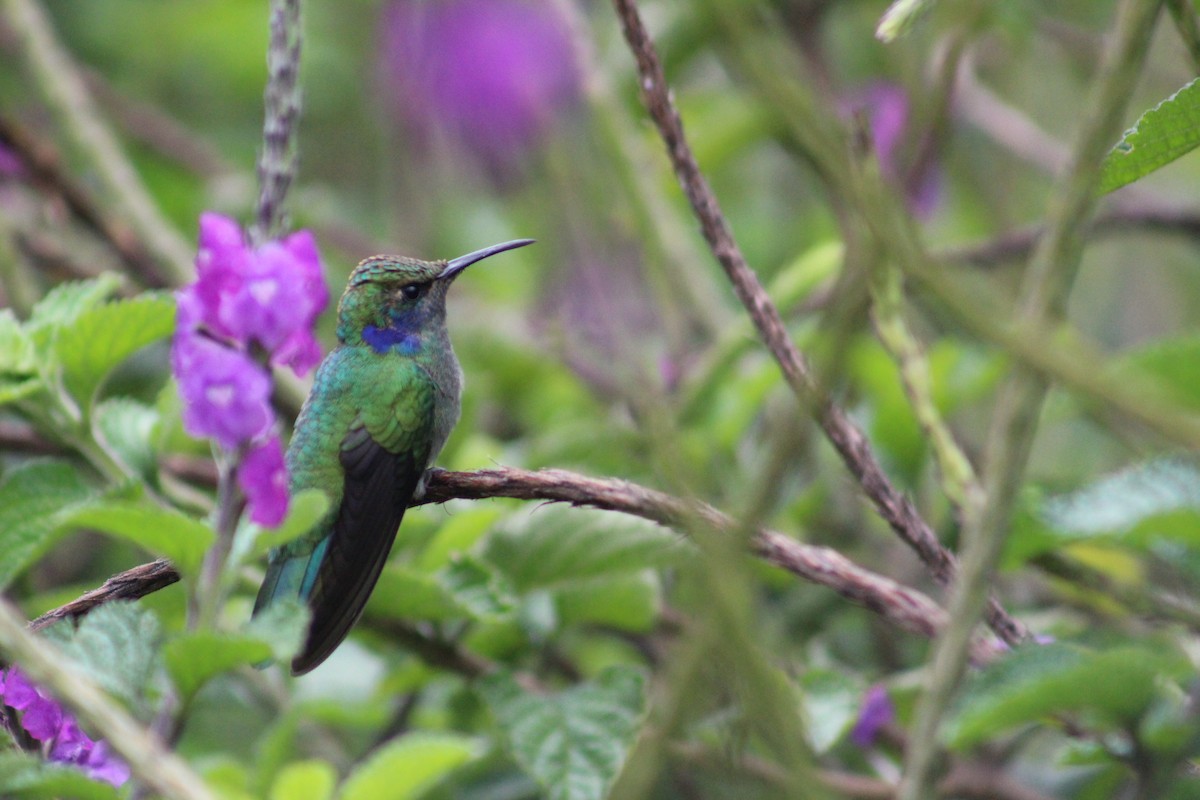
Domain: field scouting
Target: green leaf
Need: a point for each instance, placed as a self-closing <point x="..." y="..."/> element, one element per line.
<point x="35" y="499"/>
<point x="1113" y="687"/>
<point x="831" y="702"/>
<point x="195" y="658"/>
<point x="900" y="18"/>
<point x="405" y="768"/>
<point x="17" y="354"/>
<point x="573" y="743"/>
<point x="283" y="625"/>
<point x="625" y="602"/>
<point x="162" y="531"/>
<point x="26" y="776"/>
<point x="101" y="337"/>
<point x="465" y="589"/>
<point x="130" y="428"/>
<point x="1170" y="366"/>
<point x="117" y="644"/>
<point x="305" y="510"/>
<point x="1161" y="135"/>
<point x="63" y="304"/>
<point x="304" y="780"/>
<point x="557" y="544"/>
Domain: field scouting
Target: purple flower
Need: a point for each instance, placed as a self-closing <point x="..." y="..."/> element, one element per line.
<point x="886" y="106"/>
<point x="11" y="165"/>
<point x="270" y="296"/>
<point x="226" y="395"/>
<point x="493" y="74"/>
<point x="264" y="480"/>
<point x="876" y="712"/>
<point x="58" y="732"/>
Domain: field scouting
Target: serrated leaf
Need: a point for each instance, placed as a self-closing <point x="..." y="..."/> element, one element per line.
<point x="465" y="589"/>
<point x="405" y="768"/>
<point x="130" y="428"/>
<point x="26" y="776"/>
<point x="1161" y="135"/>
<point x="35" y="499"/>
<point x="477" y="587"/>
<point x="193" y="659"/>
<point x="162" y="531"/>
<point x="116" y="644"/>
<point x="304" y="780"/>
<point x="556" y="545"/>
<point x="1113" y="687"/>
<point x="573" y="743"/>
<point x="66" y="301"/>
<point x="103" y="336"/>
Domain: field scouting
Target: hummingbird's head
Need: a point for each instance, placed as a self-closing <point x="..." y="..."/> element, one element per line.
<point x="390" y="301"/>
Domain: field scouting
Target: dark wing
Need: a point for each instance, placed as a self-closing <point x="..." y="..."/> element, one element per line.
<point x="346" y="564"/>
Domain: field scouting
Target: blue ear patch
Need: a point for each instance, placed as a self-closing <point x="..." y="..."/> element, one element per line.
<point x="390" y="339"/>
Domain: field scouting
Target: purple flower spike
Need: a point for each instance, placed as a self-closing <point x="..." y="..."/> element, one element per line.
<point x="226" y="395"/>
<point x="270" y="296"/>
<point x="264" y="479"/>
<point x="58" y="732"/>
<point x="876" y="712"/>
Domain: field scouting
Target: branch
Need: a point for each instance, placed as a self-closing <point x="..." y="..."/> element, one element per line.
<point x="850" y="442"/>
<point x="906" y="608"/>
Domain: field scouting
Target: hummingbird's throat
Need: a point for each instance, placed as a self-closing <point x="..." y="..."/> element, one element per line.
<point x="393" y="339"/>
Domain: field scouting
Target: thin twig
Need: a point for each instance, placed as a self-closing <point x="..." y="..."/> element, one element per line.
<point x="1047" y="283"/>
<point x="850" y="442"/>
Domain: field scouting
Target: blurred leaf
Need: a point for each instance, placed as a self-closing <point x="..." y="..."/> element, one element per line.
<point x="1035" y="681"/>
<point x="35" y="499"/>
<point x="130" y="428"/>
<point x="192" y="659"/>
<point x="573" y="743"/>
<point x="162" y="531"/>
<point x="305" y="510"/>
<point x="63" y="304"/>
<point x="17" y="355"/>
<point x="304" y="780"/>
<point x="458" y="534"/>
<point x="1169" y="365"/>
<point x="103" y="336"/>
<point x="1161" y="135"/>
<point x="557" y="544"/>
<point x="625" y="602"/>
<point x="117" y="645"/>
<point x="283" y="625"/>
<point x="900" y="18"/>
<point x="831" y="701"/>
<point x="466" y="588"/>
<point x="406" y="767"/>
<point x="26" y="776"/>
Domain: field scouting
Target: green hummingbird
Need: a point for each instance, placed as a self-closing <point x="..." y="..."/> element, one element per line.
<point x="382" y="404"/>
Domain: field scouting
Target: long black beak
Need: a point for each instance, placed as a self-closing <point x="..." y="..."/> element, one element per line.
<point x="462" y="262"/>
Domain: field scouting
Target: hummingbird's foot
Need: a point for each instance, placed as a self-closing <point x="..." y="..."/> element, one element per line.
<point x="419" y="492"/>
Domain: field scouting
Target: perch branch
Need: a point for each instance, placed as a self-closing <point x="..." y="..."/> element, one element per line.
<point x="906" y="608"/>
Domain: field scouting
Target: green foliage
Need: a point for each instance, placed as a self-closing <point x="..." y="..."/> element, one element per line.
<point x="1161" y="135"/>
<point x="162" y="531"/>
<point x="573" y="743"/>
<point x="27" y="776"/>
<point x="1111" y="687"/>
<point x="193" y="659"/>
<point x="36" y="500"/>
<point x="117" y="645"/>
<point x="407" y="767"/>
<point x="304" y="780"/>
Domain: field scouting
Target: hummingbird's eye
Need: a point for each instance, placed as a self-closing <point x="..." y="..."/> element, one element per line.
<point x="412" y="291"/>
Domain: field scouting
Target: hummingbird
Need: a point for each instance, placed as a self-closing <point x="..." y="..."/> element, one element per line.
<point x="382" y="405"/>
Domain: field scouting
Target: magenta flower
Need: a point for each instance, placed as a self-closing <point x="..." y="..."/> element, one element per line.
<point x="886" y="106"/>
<point x="264" y="480"/>
<point x="58" y="733"/>
<point x="270" y="296"/>
<point x="226" y="395"/>
<point x="493" y="74"/>
<point x="876" y="712"/>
